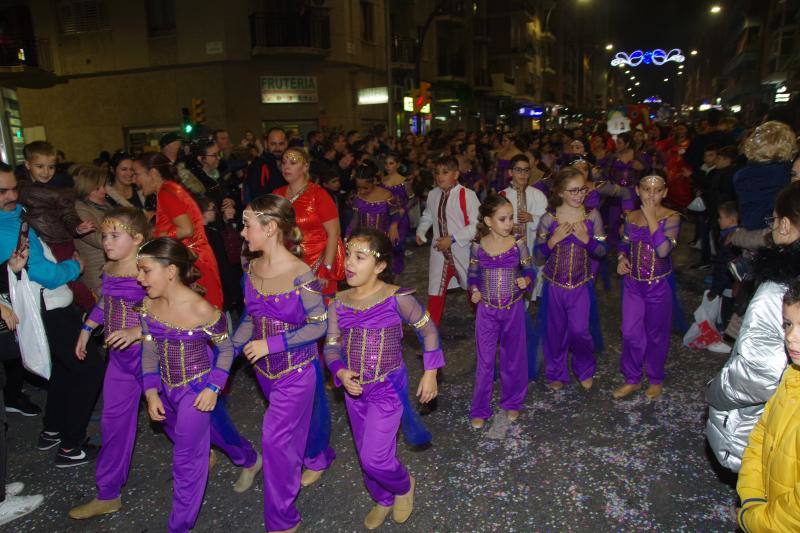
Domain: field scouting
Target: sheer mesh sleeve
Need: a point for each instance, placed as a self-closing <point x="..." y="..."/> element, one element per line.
<point x="243" y="333"/>
<point x="526" y="261"/>
<point x="542" y="235"/>
<point x="97" y="314"/>
<point x="218" y="334"/>
<point x="418" y="318"/>
<point x="624" y="244"/>
<point x="666" y="236"/>
<point x="333" y="344"/>
<point x="316" y="318"/>
<point x="354" y="220"/>
<point x="474" y="272"/>
<point x="150" y="372"/>
<point x="597" y="241"/>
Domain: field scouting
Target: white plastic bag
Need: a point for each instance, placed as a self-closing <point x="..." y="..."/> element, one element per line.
<point x="31" y="335"/>
<point x="703" y="332"/>
<point x="697" y="205"/>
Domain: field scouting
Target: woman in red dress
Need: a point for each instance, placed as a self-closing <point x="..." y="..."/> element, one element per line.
<point x="317" y="218"/>
<point x="178" y="216"/>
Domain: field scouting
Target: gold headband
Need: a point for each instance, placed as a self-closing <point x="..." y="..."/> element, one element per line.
<point x="352" y="247"/>
<point x="652" y="178"/>
<point x="294" y="157"/>
<point x="110" y="223"/>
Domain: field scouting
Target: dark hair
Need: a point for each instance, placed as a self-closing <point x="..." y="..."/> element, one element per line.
<point x="43" y="148"/>
<point x="160" y="163"/>
<point x="201" y="146"/>
<point x="273" y="207"/>
<point x="711" y="148"/>
<point x="487" y="209"/>
<point x="273" y="129"/>
<point x="393" y="155"/>
<point x="133" y="218"/>
<point x="792" y="294"/>
<point x="378" y="242"/>
<point x="5" y="167"/>
<point x="560" y="183"/>
<point x="118" y="158"/>
<point x="517" y="158"/>
<point x="729" y="152"/>
<point x="787" y="203"/>
<point x="447" y="161"/>
<point x="781" y="264"/>
<point x="626" y="137"/>
<point x="729" y="208"/>
<point x="168" y="251"/>
<point x="311" y="134"/>
<point x="366" y="171"/>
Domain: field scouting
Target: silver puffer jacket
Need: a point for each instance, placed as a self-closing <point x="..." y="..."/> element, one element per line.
<point x="737" y="395"/>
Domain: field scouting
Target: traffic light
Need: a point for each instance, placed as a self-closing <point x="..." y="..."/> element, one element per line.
<point x="187" y="124"/>
<point x="198" y="111"/>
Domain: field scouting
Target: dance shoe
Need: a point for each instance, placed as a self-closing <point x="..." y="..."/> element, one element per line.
<point x="555" y="385"/>
<point x="403" y="505"/>
<point x="477" y="423"/>
<point x="212" y="460"/>
<point x="512" y="415"/>
<point x="587" y="383"/>
<point x="310" y="477"/>
<point x="247" y="476"/>
<point x="653" y="391"/>
<point x="626" y="390"/>
<point x="95" y="508"/>
<point x="377" y="516"/>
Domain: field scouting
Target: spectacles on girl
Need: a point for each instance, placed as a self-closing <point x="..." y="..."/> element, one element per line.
<point x="578" y="191"/>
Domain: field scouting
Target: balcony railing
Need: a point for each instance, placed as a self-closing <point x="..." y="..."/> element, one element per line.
<point x="282" y="29"/>
<point x="404" y="50"/>
<point x="18" y="50"/>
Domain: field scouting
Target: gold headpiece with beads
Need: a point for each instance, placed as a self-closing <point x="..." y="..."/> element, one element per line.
<point x="652" y="180"/>
<point x="352" y="247"/>
<point x="111" y="223"/>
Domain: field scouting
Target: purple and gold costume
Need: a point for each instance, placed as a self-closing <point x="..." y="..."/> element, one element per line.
<point x="116" y="309"/>
<point x="404" y="200"/>
<point x="566" y="297"/>
<point x="623" y="175"/>
<point x="376" y="215"/>
<point x="500" y="321"/>
<point x="647" y="303"/>
<point x="367" y="339"/>
<point x="179" y="363"/>
<point x="291" y="379"/>
<point x="501" y="175"/>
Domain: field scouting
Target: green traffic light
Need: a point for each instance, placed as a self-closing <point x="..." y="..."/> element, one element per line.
<point x="187" y="128"/>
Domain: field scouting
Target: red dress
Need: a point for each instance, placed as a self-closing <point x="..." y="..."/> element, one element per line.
<point x="173" y="201"/>
<point x="312" y="208"/>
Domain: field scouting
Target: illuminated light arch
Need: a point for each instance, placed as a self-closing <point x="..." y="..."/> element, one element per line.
<point x="656" y="57"/>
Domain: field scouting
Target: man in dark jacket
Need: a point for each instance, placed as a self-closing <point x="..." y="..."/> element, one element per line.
<point x="264" y="174"/>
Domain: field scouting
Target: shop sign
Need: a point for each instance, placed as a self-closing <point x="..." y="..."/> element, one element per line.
<point x="373" y="95"/>
<point x="289" y="90"/>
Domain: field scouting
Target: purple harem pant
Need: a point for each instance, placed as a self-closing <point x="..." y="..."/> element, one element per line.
<point x="567" y="330"/>
<point x="284" y="436"/>
<point x="646" y="327"/>
<point x="506" y="328"/>
<point x="122" y="390"/>
<point x="374" y="419"/>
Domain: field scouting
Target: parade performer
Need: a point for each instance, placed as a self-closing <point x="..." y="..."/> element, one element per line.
<point x="317" y="219"/>
<point x="364" y="352"/>
<point x="405" y="200"/>
<point x="183" y="377"/>
<point x="528" y="202"/>
<point x="568" y="235"/>
<point x="651" y="233"/>
<point x="499" y="273"/>
<point x="452" y="211"/>
<point x="286" y="317"/>
<point x="624" y="171"/>
<point x="123" y="230"/>
<point x="373" y="206"/>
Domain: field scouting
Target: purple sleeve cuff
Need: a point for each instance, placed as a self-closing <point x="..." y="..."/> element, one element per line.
<point x="334" y="367"/>
<point x="218" y="377"/>
<point x="433" y="360"/>
<point x="474" y="282"/>
<point x="96" y="315"/>
<point x="151" y="381"/>
<point x="276" y="343"/>
<point x="658" y="238"/>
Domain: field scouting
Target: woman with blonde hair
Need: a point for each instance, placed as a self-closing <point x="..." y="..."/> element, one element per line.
<point x="91" y="205"/>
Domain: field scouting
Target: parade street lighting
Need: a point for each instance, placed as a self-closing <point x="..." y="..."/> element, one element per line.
<point x="633" y="77"/>
<point x="680" y="67"/>
<point x="693" y="52"/>
<point x="609" y="47"/>
<point x="637" y="83"/>
<point x="715" y="9"/>
<point x="666" y="79"/>
<point x="627" y="72"/>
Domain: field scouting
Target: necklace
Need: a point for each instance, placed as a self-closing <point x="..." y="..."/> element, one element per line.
<point x="299" y="193"/>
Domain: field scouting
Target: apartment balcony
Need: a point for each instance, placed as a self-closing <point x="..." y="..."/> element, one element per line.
<point x="452" y="11"/>
<point x="404" y="53"/>
<point x="284" y="33"/>
<point x="451" y="67"/>
<point x="503" y="85"/>
<point x="26" y="62"/>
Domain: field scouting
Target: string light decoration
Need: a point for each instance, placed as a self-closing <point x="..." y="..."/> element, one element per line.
<point x="656" y="57"/>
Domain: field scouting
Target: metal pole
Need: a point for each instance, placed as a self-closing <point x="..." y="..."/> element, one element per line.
<point x="390" y="125"/>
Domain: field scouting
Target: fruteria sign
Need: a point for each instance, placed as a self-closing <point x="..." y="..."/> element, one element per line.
<point x="289" y="90"/>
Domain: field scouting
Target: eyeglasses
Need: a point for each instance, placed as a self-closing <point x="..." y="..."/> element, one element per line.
<point x="770" y="221"/>
<point x="577" y="192"/>
<point x="521" y="170"/>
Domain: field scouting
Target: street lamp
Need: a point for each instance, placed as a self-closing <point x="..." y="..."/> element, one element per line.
<point x="637" y="83"/>
<point x="633" y="78"/>
<point x="693" y="52"/>
<point x="609" y="47"/>
<point x="666" y="79"/>
<point x="715" y="9"/>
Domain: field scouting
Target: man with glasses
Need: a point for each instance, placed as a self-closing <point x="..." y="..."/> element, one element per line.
<point x="529" y="203"/>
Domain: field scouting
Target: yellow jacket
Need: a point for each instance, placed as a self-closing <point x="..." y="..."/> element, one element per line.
<point x="769" y="481"/>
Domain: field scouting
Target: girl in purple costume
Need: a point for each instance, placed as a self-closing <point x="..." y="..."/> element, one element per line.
<point x="123" y="231"/>
<point x="499" y="274"/>
<point x="182" y="376"/>
<point x="624" y="171"/>
<point x="285" y="319"/>
<point x="651" y="233"/>
<point x="364" y="352"/>
<point x="373" y="207"/>
<point x="404" y="200"/>
<point x="569" y="234"/>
